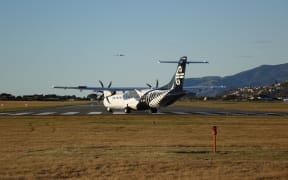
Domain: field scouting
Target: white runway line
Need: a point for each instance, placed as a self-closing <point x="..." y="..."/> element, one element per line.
<point x="118" y="112"/>
<point x="70" y="113"/>
<point x="44" y="113"/>
<point x="21" y="114"/>
<point x="182" y="113"/>
<point x="2" y="114"/>
<point x="94" y="113"/>
<point x="159" y="113"/>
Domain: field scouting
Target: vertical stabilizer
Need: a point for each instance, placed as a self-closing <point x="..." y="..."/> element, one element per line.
<point x="177" y="80"/>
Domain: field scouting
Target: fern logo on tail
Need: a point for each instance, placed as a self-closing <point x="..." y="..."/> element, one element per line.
<point x="179" y="75"/>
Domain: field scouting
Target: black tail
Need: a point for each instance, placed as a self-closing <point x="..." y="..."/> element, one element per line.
<point x="177" y="80"/>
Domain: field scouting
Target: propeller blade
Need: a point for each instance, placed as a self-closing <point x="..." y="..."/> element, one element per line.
<point x="108" y="100"/>
<point x="102" y="85"/>
<point x="157" y="83"/>
<point x="110" y="84"/>
<point x="149" y="85"/>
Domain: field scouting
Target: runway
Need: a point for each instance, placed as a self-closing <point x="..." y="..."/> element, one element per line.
<point x="96" y="110"/>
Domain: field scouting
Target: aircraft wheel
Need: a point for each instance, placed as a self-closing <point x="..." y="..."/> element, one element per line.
<point x="127" y="110"/>
<point x="153" y="110"/>
<point x="109" y="110"/>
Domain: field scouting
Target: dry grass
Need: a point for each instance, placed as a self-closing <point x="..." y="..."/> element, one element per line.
<point x="143" y="147"/>
<point x="243" y="106"/>
<point x="28" y="105"/>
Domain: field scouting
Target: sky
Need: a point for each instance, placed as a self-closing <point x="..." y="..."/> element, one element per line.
<point x="75" y="42"/>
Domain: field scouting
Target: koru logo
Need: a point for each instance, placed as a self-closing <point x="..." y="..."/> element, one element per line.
<point x="179" y="75"/>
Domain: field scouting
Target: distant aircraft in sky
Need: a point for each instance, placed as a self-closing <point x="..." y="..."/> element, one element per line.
<point x="119" y="55"/>
<point x="143" y="98"/>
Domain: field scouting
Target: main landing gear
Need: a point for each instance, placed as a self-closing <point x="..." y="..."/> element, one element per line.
<point x="153" y="110"/>
<point x="127" y="110"/>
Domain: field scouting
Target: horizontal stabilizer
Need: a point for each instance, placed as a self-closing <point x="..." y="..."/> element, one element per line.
<point x="187" y="62"/>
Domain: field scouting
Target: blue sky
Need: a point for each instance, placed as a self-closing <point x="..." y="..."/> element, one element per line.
<point x="69" y="42"/>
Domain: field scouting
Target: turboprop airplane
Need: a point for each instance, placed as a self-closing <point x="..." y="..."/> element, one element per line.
<point x="139" y="98"/>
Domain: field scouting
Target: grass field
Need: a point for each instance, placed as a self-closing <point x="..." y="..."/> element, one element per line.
<point x="143" y="147"/>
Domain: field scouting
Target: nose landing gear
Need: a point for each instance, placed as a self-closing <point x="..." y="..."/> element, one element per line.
<point x="109" y="110"/>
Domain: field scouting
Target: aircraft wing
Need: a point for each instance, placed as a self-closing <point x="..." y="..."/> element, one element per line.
<point x="95" y="89"/>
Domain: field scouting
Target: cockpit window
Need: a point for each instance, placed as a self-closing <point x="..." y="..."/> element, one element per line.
<point x="131" y="94"/>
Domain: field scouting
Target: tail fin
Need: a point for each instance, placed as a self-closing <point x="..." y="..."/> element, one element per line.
<point x="177" y="80"/>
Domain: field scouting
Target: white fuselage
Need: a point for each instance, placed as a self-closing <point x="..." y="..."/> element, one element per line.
<point x="134" y="99"/>
<point x="121" y="100"/>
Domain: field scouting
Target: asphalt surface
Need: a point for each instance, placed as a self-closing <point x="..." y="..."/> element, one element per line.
<point x="95" y="109"/>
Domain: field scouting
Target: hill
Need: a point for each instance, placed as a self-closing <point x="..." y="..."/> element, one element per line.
<point x="259" y="76"/>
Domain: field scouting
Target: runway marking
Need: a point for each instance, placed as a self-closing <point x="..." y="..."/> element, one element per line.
<point x="94" y="113"/>
<point x="118" y="112"/>
<point x="21" y="114"/>
<point x="70" y="113"/>
<point x="181" y="113"/>
<point x="159" y="113"/>
<point x="44" y="113"/>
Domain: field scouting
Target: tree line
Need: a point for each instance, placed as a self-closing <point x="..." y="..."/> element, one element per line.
<point x="40" y="97"/>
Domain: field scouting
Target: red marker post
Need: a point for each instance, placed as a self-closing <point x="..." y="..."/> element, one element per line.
<point x="214" y="133"/>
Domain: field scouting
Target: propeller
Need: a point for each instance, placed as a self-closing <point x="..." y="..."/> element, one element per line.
<point x="149" y="85"/>
<point x="102" y="85"/>
<point x="109" y="85"/>
<point x="157" y="83"/>
<point x="102" y="93"/>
